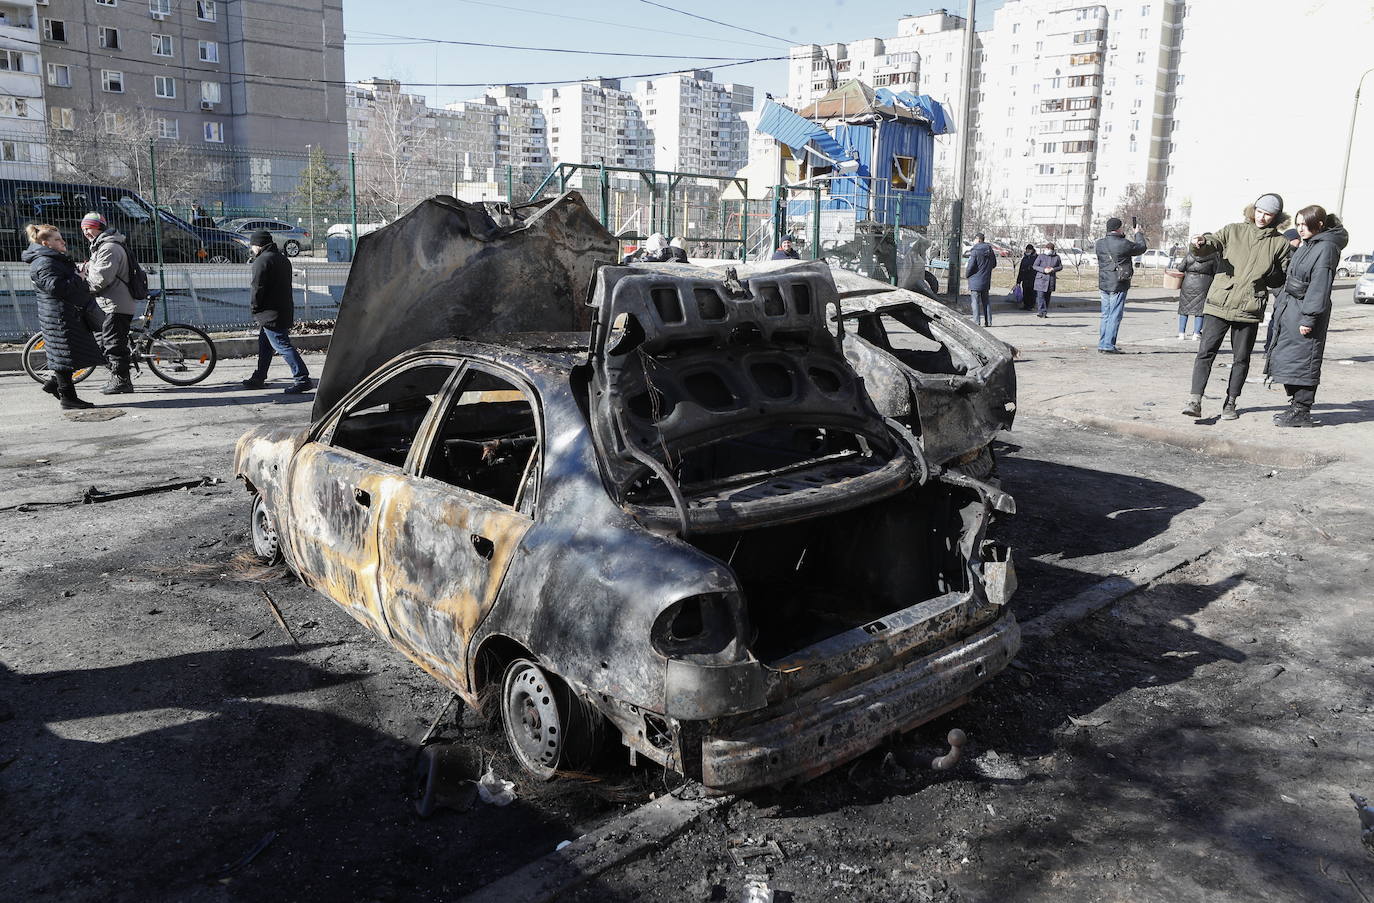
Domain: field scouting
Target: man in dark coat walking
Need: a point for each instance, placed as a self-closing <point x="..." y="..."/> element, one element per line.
<point x="1114" y="270"/>
<point x="981" y="262"/>
<point x="274" y="311"/>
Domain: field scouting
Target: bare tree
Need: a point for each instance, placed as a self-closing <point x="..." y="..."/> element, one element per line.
<point x="1146" y="203"/>
<point x="398" y="155"/>
<point x="122" y="147"/>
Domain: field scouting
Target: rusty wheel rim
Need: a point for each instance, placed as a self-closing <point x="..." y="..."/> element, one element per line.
<point x="265" y="543"/>
<point x="534" y="725"/>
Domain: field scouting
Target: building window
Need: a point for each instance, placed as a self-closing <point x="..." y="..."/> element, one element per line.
<point x="209" y="92"/>
<point x="55" y="30"/>
<point x="112" y="81"/>
<point x="205" y="10"/>
<point x="14" y="151"/>
<point x="115" y="120"/>
<point x="109" y="37"/>
<point x="106" y="2"/>
<point x="168" y="128"/>
<point x="160" y="8"/>
<point x="1145" y="10"/>
<point x="209" y="51"/>
<point x="13" y="61"/>
<point x="59" y="75"/>
<point x="903" y="174"/>
<point x="214" y="132"/>
<point x="62" y="118"/>
<point x="162" y="45"/>
<point x="164" y="86"/>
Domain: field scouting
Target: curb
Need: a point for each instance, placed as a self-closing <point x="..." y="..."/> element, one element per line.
<point x="627" y="837"/>
<point x="1262" y="453"/>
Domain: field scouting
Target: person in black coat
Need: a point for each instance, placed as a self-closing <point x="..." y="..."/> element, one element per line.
<point x="274" y="310"/>
<point x="981" y="263"/>
<point x="1198" y="273"/>
<point x="1302" y="312"/>
<point x="785" y="251"/>
<point x="63" y="298"/>
<point x="1115" y="267"/>
<point x="1047" y="265"/>
<point x="1025" y="277"/>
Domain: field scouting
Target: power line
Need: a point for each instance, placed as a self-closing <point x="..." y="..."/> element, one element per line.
<point x="543" y="12"/>
<point x="656" y="56"/>
<point x="673" y="9"/>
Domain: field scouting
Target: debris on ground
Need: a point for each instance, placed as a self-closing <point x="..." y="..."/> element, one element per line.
<point x="495" y="791"/>
<point x="1366" y="810"/>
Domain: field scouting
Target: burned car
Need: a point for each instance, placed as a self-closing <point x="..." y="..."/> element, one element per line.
<point x="690" y="526"/>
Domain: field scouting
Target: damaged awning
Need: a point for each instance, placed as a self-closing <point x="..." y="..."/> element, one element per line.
<point x="799" y="133"/>
<point x="928" y="107"/>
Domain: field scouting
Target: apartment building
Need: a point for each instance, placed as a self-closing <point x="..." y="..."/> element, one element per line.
<point x="694" y="123"/>
<point x="206" y="72"/>
<point x="926" y="56"/>
<point x="23" y="151"/>
<point x="596" y="122"/>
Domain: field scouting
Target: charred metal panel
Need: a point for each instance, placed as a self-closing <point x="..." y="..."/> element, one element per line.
<point x="449" y="268"/>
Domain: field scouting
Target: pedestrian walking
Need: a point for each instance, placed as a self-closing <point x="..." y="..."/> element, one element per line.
<point x="1302" y="311"/>
<point x="274" y="310"/>
<point x="1198" y="273"/>
<point x="785" y="251"/>
<point x="1025" y="277"/>
<point x="981" y="263"/>
<point x="62" y="297"/>
<point x="1251" y="258"/>
<point x="107" y="273"/>
<point x="1047" y="265"/>
<point x="1115" y="268"/>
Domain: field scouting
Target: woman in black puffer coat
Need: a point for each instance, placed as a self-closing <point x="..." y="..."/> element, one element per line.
<point x="62" y="296"/>
<point x="1198" y="273"/>
<point x="1302" y="311"/>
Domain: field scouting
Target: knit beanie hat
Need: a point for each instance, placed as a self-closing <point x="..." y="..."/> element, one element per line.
<point x="1270" y="203"/>
<point x="261" y="238"/>
<point x="93" y="219"/>
<point x="1113" y="223"/>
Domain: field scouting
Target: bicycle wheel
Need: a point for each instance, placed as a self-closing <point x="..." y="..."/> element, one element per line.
<point x="36" y="362"/>
<point x="179" y="354"/>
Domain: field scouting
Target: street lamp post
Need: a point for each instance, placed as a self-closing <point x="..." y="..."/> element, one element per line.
<point x="1350" y="143"/>
<point x="310" y="189"/>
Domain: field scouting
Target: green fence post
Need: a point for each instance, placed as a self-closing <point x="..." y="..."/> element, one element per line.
<point x="353" y="196"/>
<point x="510" y="185"/>
<point x="744" y="226"/>
<point x="896" y="237"/>
<point x="605" y="186"/>
<point x="157" y="228"/>
<point x="816" y="227"/>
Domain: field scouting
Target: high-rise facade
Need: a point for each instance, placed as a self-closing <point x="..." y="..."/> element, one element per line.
<point x="596" y="122"/>
<point x="23" y="151"/>
<point x="693" y="123"/>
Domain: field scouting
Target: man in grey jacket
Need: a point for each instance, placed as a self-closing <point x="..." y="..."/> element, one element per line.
<point x="108" y="273"/>
<point x="1115" y="267"/>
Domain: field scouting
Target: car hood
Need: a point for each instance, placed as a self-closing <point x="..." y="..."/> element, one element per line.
<point x="451" y="269"/>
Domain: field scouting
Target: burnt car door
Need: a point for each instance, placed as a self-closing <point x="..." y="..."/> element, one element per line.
<point x="339" y="482"/>
<point x="450" y="527"/>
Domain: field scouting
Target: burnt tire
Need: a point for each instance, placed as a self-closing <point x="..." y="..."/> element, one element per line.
<point x="933" y="284"/>
<point x="548" y="727"/>
<point x="266" y="543"/>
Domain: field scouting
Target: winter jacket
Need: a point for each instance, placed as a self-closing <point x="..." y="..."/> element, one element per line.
<point x="1293" y="358"/>
<point x="271" y="289"/>
<point x="62" y="296"/>
<point x="790" y="254"/>
<point x="108" y="273"/>
<point x="1025" y="272"/>
<point x="1198" y="273"/>
<point x="1045" y="282"/>
<point x="981" y="263"/>
<point x="1252" y="261"/>
<point x="677" y="255"/>
<point x="1114" y="264"/>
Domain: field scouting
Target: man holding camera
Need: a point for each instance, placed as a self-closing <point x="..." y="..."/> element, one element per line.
<point x="1115" y="267"/>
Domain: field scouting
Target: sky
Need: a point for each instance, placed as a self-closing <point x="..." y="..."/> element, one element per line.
<point x="379" y="43"/>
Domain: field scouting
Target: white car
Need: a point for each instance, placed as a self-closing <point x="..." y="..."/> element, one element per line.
<point x="1155" y="258"/>
<point x="1353" y="263"/>
<point x="347" y="228"/>
<point x="1364" y="289"/>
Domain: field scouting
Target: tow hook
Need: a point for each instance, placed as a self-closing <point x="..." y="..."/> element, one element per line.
<point x="956" y="739"/>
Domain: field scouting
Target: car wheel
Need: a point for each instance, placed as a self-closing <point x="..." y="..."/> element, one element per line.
<point x="1343" y="273"/>
<point x="219" y="257"/>
<point x="266" y="545"/>
<point x="933" y="284"/>
<point x="292" y="248"/>
<point x="547" y="726"/>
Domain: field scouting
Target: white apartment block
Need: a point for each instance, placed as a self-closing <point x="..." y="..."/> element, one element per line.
<point x="596" y="122"/>
<point x="694" y="123"/>
<point x="925" y="57"/>
<point x="23" y="146"/>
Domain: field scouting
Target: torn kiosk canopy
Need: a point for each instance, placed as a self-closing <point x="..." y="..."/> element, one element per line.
<point x="721" y="401"/>
<point x="449" y="268"/>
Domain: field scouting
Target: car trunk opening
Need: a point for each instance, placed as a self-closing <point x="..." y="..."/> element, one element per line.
<point x="807" y="581"/>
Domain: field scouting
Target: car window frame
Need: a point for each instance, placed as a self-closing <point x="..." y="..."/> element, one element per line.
<point x="429" y="430"/>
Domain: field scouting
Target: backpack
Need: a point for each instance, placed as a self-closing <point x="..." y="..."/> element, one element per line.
<point x="137" y="282"/>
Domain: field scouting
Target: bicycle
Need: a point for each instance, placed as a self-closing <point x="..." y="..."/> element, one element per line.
<point x="177" y="353"/>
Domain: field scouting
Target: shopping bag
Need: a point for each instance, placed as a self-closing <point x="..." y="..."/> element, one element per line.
<point x="1016" y="293"/>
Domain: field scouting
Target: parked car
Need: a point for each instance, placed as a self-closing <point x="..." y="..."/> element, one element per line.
<point x="220" y="245"/>
<point x="691" y="527"/>
<point x="1155" y="258"/>
<point x="291" y="239"/>
<point x="1364" y="289"/>
<point x="1353" y="263"/>
<point x="347" y="228"/>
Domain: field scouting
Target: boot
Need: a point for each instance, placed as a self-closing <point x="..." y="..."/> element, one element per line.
<point x="66" y="392"/>
<point x="1228" y="410"/>
<point x="1295" y="417"/>
<point x="1193" y="408"/>
<point x="50" y="386"/>
<point x="119" y="383"/>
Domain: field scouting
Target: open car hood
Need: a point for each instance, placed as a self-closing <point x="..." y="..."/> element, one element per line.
<point x="695" y="369"/>
<point x="453" y="269"/>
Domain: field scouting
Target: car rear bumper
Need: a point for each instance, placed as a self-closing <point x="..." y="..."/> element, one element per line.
<point x="803" y="741"/>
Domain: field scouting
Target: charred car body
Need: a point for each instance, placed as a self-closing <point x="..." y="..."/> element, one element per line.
<point x="692" y="525"/>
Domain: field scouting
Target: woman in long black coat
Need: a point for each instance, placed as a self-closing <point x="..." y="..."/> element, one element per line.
<point x="1198" y="273"/>
<point x="1025" y="277"/>
<point x="62" y="296"/>
<point x="1302" y="311"/>
<point x="1047" y="266"/>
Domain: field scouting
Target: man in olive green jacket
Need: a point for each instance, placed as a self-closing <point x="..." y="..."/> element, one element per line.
<point x="1253" y="258"/>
